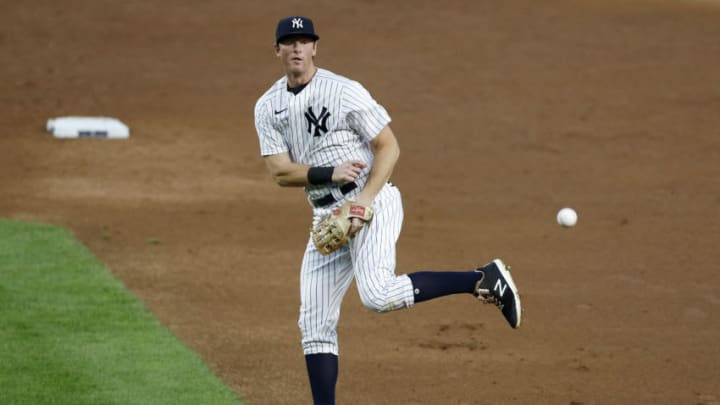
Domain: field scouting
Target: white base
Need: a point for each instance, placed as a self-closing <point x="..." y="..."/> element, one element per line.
<point x="87" y="127"/>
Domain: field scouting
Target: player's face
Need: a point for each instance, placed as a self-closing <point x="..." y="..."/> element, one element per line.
<point x="296" y="53"/>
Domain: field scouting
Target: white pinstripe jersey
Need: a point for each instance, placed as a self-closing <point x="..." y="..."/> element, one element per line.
<point x="330" y="121"/>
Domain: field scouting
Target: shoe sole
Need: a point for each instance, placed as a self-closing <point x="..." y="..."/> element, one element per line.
<point x="508" y="278"/>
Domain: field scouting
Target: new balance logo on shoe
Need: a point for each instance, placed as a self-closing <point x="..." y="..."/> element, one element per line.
<point x="499" y="287"/>
<point x="496" y="286"/>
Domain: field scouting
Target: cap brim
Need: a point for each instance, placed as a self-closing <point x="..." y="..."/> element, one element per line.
<point x="313" y="36"/>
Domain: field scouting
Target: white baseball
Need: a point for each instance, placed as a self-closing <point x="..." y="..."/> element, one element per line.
<point x="567" y="217"/>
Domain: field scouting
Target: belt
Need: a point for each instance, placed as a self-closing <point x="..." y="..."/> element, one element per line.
<point x="328" y="199"/>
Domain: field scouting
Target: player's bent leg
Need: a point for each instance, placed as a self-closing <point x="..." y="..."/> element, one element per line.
<point x="373" y="256"/>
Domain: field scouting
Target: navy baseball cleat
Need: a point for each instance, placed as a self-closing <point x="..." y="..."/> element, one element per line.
<point x="497" y="287"/>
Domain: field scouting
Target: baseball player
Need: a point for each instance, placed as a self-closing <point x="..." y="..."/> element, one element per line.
<point x="325" y="132"/>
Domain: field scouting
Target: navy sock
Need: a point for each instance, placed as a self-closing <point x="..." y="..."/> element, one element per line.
<point x="323" y="372"/>
<point x="432" y="284"/>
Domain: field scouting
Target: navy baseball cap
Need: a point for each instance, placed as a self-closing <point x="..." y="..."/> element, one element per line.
<point x="295" y="25"/>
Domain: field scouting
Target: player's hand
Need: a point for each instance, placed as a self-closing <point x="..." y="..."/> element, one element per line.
<point x="348" y="171"/>
<point x="355" y="225"/>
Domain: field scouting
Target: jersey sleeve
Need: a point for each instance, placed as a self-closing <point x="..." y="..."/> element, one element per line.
<point x="271" y="140"/>
<point x="364" y="115"/>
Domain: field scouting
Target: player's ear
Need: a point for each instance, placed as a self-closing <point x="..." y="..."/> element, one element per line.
<point x="314" y="48"/>
<point x="277" y="49"/>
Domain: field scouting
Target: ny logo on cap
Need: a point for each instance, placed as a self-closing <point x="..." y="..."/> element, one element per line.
<point x="297" y="23"/>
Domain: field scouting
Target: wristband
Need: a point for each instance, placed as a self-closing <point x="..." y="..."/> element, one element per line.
<point x="320" y="175"/>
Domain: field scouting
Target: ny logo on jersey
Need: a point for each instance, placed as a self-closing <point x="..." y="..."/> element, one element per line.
<point x="320" y="123"/>
<point x="297" y="23"/>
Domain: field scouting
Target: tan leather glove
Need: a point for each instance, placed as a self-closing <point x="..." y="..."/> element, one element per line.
<point x="333" y="230"/>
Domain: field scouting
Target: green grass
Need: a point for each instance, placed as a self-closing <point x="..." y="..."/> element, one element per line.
<point x="70" y="333"/>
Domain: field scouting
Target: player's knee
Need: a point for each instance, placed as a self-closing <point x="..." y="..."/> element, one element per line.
<point x="378" y="303"/>
<point x="382" y="296"/>
<point x="374" y="305"/>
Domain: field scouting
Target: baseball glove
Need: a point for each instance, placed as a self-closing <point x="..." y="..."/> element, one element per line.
<point x="333" y="230"/>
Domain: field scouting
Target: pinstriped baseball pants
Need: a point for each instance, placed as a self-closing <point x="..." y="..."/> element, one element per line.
<point x="369" y="258"/>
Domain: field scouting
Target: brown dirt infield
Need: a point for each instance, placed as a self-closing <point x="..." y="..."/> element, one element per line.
<point x="505" y="112"/>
